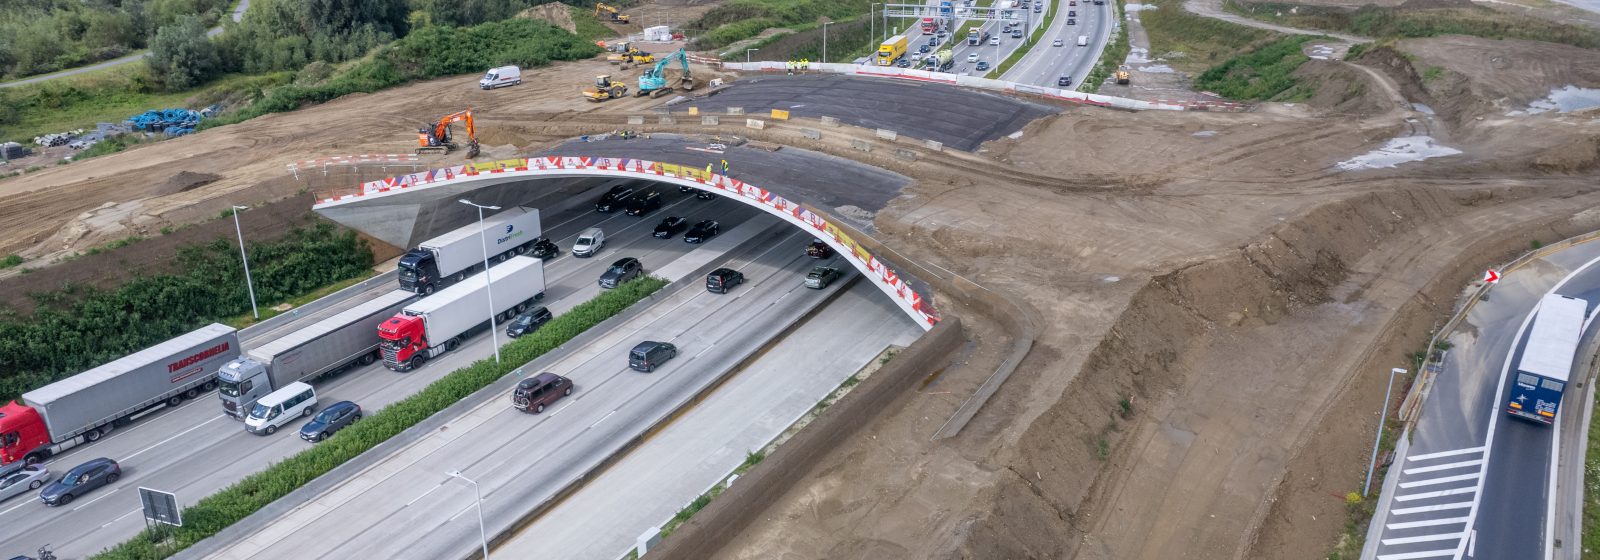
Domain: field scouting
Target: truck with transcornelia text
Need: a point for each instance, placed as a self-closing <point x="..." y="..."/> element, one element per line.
<point x="438" y="323"/>
<point x="86" y="406"/>
<point x="322" y="348"/>
<point x="450" y="258"/>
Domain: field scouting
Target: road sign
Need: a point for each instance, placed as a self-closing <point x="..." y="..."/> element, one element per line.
<point x="161" y="507"/>
<point x="1491" y="277"/>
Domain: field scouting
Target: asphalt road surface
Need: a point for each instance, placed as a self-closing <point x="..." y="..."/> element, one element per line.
<point x="1047" y="63"/>
<point x="238" y="14"/>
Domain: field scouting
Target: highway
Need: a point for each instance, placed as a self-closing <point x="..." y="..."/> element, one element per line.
<point x="1044" y="64"/>
<point x="194" y="450"/>
<point x="521" y="460"/>
<point x="1474" y="482"/>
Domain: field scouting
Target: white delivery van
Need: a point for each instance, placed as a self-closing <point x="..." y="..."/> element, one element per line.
<point x="502" y="76"/>
<point x="280" y="407"/>
<point x="589" y="242"/>
<point x="1083" y="40"/>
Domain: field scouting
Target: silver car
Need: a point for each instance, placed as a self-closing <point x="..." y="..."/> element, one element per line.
<point x="29" y="478"/>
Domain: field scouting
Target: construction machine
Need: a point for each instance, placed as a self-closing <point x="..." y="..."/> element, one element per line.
<point x="604" y="88"/>
<point x="436" y="139"/>
<point x="615" y="14"/>
<point x="636" y="56"/>
<point x="1122" y="75"/>
<point x="654" y="84"/>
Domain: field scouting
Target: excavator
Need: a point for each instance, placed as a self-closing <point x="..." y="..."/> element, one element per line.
<point x="616" y="14"/>
<point x="604" y="88"/>
<point x="654" y="84"/>
<point x="436" y="139"/>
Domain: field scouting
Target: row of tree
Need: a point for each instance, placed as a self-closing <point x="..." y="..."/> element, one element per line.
<point x="39" y="36"/>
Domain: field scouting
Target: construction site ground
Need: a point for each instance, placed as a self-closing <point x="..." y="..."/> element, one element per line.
<point x="1218" y="298"/>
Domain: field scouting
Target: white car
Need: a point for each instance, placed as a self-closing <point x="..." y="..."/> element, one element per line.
<point x="993" y="41"/>
<point x="972" y="57"/>
<point x="1057" y="43"/>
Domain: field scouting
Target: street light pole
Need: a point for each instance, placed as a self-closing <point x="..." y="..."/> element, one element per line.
<point x="488" y="281"/>
<point x="248" y="284"/>
<point x="825" y="41"/>
<point x="747" y="54"/>
<point x="482" y="534"/>
<point x="872" y="24"/>
<point x="1384" y="418"/>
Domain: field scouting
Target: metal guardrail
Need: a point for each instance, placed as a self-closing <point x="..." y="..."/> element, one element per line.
<point x="390" y="277"/>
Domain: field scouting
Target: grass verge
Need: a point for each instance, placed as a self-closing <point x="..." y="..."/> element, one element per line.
<point x="1112" y="57"/>
<point x="738" y="20"/>
<point x="1261" y="74"/>
<point x="587" y="26"/>
<point x="109" y="96"/>
<point x="232" y="504"/>
<point x="1391" y="22"/>
<point x="1591" y="492"/>
<point x="1033" y="41"/>
<point x="1192" y="42"/>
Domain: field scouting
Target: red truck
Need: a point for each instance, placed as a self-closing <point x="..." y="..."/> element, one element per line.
<point x="438" y="323"/>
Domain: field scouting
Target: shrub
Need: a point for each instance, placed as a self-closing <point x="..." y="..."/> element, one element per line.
<point x="181" y="56"/>
<point x="1257" y="75"/>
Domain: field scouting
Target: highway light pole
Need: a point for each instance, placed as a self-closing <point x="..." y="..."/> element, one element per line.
<point x="1382" y="419"/>
<point x="243" y="257"/>
<point x="825" y="25"/>
<point x="483" y="535"/>
<point x="872" y="24"/>
<point x="488" y="282"/>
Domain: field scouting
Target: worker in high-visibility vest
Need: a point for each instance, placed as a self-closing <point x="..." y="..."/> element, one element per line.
<point x="724" y="167"/>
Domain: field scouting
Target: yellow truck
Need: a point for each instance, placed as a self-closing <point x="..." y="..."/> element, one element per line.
<point x="891" y="50"/>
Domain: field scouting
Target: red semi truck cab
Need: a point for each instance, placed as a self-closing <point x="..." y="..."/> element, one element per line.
<point x="404" y="336"/>
<point x="22" y="430"/>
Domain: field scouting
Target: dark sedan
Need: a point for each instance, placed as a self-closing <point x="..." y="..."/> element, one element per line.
<point x="529" y="321"/>
<point x="702" y="232"/>
<point x="330" y="420"/>
<point x="81" y="480"/>
<point x="670" y="226"/>
<point x="543" y="248"/>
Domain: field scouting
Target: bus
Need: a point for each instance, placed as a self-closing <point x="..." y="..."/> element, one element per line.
<point x="1546" y="362"/>
<point x="891" y="50"/>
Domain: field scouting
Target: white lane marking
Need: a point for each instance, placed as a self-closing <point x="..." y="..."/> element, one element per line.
<point x="176" y="436"/>
<point x="124" y="516"/>
<point x="1426" y="509"/>
<point x="424" y="494"/>
<point x="1550" y="492"/>
<point x="1472" y="543"/>
<point x="1435" y="494"/>
<point x="1462" y="451"/>
<point x="708" y="349"/>
<point x="1423" y="554"/>
<point x="1428" y="523"/>
<point x="1446" y="466"/>
<point x="1441" y="480"/>
<point x="1425" y="538"/>
<point x="569" y="404"/>
<point x="88" y="503"/>
<point x="602" y="419"/>
<point x="463" y="510"/>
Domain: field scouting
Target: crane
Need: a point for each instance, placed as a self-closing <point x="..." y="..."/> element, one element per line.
<point x="436" y="139"/>
<point x="616" y="14"/>
<point x="653" y="83"/>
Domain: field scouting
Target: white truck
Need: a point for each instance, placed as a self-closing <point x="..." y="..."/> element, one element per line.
<point x="438" y="323"/>
<point x="450" y="258"/>
<point x="317" y="350"/>
<point x="502" y="76"/>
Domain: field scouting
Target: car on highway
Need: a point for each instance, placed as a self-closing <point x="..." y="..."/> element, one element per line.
<point x="81" y="480"/>
<point x="1064" y="81"/>
<point x="972" y="57"/>
<point x="1072" y="13"/>
<point x="535" y="393"/>
<point x="821" y="276"/>
<point x="702" y="232"/>
<point x="625" y="269"/>
<point x="705" y="195"/>
<point x="1016" y="34"/>
<point x="330" y="421"/>
<point x="983" y="65"/>
<point x="1072" y="2"/>
<point x="544" y="249"/>
<point x="649" y="355"/>
<point x="589" y="242"/>
<point x="28" y="478"/>
<point x="818" y="250"/>
<point x="686" y="189"/>
<point x="529" y="321"/>
<point x="902" y="63"/>
<point x="1071" y="21"/>
<point x="1055" y="43"/>
<point x="612" y="199"/>
<point x="993" y="41"/>
<point x="924" y="49"/>
<point x="643" y="203"/>
<point x="721" y="280"/>
<point x="1039" y="8"/>
<point x="670" y="225"/>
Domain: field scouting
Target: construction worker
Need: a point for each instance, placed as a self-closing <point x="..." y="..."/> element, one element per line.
<point x="708" y="170"/>
<point x="724" y="167"/>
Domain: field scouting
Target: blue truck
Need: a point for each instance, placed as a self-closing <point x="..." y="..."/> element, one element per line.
<point x="1546" y="363"/>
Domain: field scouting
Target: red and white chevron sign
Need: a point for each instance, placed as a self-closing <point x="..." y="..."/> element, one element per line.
<point x="1491" y="277"/>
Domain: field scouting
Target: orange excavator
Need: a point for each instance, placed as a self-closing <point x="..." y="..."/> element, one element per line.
<point x="436" y="139"/>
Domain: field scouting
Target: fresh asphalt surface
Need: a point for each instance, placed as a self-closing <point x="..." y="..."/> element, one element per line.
<point x="195" y="450"/>
<point x="1453" y="474"/>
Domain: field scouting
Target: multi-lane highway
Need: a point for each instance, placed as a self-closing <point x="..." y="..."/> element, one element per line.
<point x="1045" y="63"/>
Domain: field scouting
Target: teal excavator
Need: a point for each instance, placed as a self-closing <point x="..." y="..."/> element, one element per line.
<point x="654" y="84"/>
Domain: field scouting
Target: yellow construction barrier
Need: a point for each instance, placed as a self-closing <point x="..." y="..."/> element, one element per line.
<point x="780" y="115"/>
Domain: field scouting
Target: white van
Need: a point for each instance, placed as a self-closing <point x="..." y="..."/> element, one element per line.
<point x="1083" y="40"/>
<point x="589" y="242"/>
<point x="280" y="407"/>
<point x="502" y="76"/>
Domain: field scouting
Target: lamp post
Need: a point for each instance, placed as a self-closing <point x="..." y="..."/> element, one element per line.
<point x="747" y="54"/>
<point x="825" y="25"/>
<point x="248" y="284"/>
<point x="1379" y="438"/>
<point x="483" y="535"/>
<point x="488" y="281"/>
<point x="872" y="24"/>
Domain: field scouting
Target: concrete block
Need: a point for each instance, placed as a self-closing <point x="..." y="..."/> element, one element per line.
<point x="666" y="120"/>
<point x="636" y="119"/>
<point x="709" y="120"/>
<point x="736" y="110"/>
<point x="834" y="121"/>
<point x="861" y="145"/>
<point x="934" y="145"/>
<point x="905" y="154"/>
<point x="756" y="124"/>
<point x="811" y="133"/>
<point x="887" y="134"/>
<point x="648" y="540"/>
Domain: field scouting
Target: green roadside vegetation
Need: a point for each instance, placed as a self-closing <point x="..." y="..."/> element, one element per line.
<point x="1397" y="22"/>
<point x="110" y="95"/>
<point x="47" y="36"/>
<point x="1591" y="491"/>
<point x="1112" y="57"/>
<point x="1260" y="75"/>
<point x="847" y="40"/>
<point x="1033" y="41"/>
<point x="226" y="507"/>
<point x="243" y="320"/>
<point x="588" y="27"/>
<point x="738" y="20"/>
<point x="1194" y="42"/>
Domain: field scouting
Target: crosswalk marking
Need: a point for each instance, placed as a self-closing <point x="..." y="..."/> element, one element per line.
<point x="1423" y="554"/>
<point x="1425" y="538"/>
<point x="1440" y="480"/>
<point x="1436" y="494"/>
<point x="1427" y="523"/>
<point x="1437" y="455"/>
<point x="1424" y="509"/>
<point x="1447" y="466"/>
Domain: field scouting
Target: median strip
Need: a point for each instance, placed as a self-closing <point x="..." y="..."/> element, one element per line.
<point x="1033" y="41"/>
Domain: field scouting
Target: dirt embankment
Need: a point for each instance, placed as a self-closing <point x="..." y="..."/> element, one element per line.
<point x="555" y="12"/>
<point x="1342" y="90"/>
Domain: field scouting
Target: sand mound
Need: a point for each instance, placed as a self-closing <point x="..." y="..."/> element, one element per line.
<point x="555" y="12"/>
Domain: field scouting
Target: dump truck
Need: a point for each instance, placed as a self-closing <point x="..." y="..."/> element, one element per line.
<point x="320" y="349"/>
<point x="439" y="323"/>
<point x="450" y="258"/>
<point x="83" y="408"/>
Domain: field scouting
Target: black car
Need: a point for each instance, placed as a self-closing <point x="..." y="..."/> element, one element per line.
<point x="330" y="420"/>
<point x="686" y="189"/>
<point x="1071" y="21"/>
<point x="702" y="232"/>
<point x="721" y="280"/>
<point x="544" y="249"/>
<point x="1072" y="13"/>
<point x="643" y="203"/>
<point x="529" y="321"/>
<point x="818" y="250"/>
<point x="613" y="198"/>
<point x="649" y="355"/>
<point x="625" y="269"/>
<point x="924" y="49"/>
<point x="704" y="195"/>
<point x="80" y="480"/>
<point x="821" y="276"/>
<point x="903" y="63"/>
<point x="669" y="226"/>
<point x="1064" y="81"/>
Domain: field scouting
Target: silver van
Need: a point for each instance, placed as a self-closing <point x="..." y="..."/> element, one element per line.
<point x="281" y="407"/>
<point x="589" y="243"/>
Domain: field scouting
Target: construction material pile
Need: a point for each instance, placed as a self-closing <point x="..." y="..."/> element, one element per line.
<point x="57" y="139"/>
<point x="173" y="122"/>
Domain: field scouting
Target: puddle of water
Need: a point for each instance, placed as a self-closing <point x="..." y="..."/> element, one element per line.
<point x="1321" y="52"/>
<point x="1157" y="69"/>
<point x="1424" y="109"/>
<point x="1138" y="55"/>
<point x="1015" y="135"/>
<point x="1205" y="134"/>
<point x="1400" y="150"/>
<point x="1563" y="100"/>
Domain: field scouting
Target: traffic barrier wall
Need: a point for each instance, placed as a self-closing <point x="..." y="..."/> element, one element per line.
<point x="733" y="511"/>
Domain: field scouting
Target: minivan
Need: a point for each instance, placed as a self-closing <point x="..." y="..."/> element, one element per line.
<point x="721" y="280"/>
<point x="502" y="76"/>
<point x="535" y="393"/>
<point x="280" y="407"/>
<point x="649" y="355"/>
<point x="1083" y="40"/>
<point x="643" y="203"/>
<point x="589" y="242"/>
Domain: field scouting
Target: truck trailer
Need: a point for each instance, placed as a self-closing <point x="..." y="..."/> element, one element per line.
<point x="1541" y="375"/>
<point x="320" y="349"/>
<point x="86" y="406"/>
<point x="438" y="323"/>
<point x="891" y="50"/>
<point x="450" y="258"/>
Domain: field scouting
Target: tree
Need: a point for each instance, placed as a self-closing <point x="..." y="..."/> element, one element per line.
<point x="181" y="56"/>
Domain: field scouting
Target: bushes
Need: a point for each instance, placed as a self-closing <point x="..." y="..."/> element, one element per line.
<point x="231" y="504"/>
<point x="77" y="328"/>
<point x="742" y="19"/>
<point x="1387" y="22"/>
<point x="39" y="36"/>
<point x="1258" y="75"/>
<point x="1202" y="41"/>
<point x="181" y="56"/>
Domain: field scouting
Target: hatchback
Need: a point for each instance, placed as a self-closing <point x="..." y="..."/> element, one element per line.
<point x="612" y="199"/>
<point x="821" y="276"/>
<point x="330" y="420"/>
<point x="994" y="41"/>
<point x="535" y="393"/>
<point x="704" y="195"/>
<point x="643" y="203"/>
<point x="721" y="280"/>
<point x="529" y="321"/>
<point x="1064" y="81"/>
<point x="1055" y="43"/>
<point x="625" y="269"/>
<point x="543" y="248"/>
<point x="28" y="478"/>
<point x="972" y="57"/>
<point x="81" y="480"/>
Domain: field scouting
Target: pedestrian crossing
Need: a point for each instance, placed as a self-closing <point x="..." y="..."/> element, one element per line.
<point x="1432" y="503"/>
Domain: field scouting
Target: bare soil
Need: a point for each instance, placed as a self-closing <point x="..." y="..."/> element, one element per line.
<point x="556" y="13"/>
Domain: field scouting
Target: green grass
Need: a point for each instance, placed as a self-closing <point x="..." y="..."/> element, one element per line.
<point x="1393" y="22"/>
<point x="738" y="20"/>
<point x="1111" y="58"/>
<point x="1591" y="493"/>
<point x="111" y="145"/>
<point x="1259" y="75"/>
<point x="112" y="96"/>
<point x="11" y="261"/>
<point x="267" y="312"/>
<point x="1192" y="42"/>
<point x="1033" y="41"/>
<point x="226" y="507"/>
<point x="587" y="26"/>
